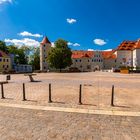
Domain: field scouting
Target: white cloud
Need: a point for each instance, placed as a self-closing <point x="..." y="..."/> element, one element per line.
<point x="74" y="44"/>
<point x="26" y="41"/>
<point x="99" y="42"/>
<point x="70" y="44"/>
<point x="52" y="44"/>
<point x="25" y="33"/>
<point x="5" y="1"/>
<point x="90" y="50"/>
<point x="71" y="20"/>
<point x="108" y="50"/>
<point x="99" y="50"/>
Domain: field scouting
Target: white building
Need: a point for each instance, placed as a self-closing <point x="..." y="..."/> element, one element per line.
<point x="126" y="54"/>
<point x="45" y="46"/>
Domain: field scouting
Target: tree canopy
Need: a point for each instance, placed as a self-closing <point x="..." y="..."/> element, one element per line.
<point x="35" y="62"/>
<point x="59" y="57"/>
<point x="3" y="47"/>
<point x="19" y="54"/>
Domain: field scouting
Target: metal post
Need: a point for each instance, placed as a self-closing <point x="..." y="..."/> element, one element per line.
<point x="24" y="97"/>
<point x="2" y="92"/>
<point x="50" y="94"/>
<point x="112" y="96"/>
<point x="80" y="95"/>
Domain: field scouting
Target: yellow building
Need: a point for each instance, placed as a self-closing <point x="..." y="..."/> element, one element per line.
<point x="5" y="62"/>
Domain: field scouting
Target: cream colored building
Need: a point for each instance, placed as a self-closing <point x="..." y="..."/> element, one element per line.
<point x="45" y="46"/>
<point x="126" y="54"/>
<point x="87" y="60"/>
<point x="5" y="62"/>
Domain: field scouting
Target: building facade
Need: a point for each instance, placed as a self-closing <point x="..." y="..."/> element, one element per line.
<point x="45" y="46"/>
<point x="5" y="62"/>
<point x="23" y="68"/>
<point x="126" y="54"/>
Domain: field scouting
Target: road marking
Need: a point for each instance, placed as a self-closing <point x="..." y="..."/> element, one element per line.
<point x="71" y="110"/>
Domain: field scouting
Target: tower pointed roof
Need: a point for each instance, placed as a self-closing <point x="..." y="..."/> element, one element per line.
<point x="45" y="40"/>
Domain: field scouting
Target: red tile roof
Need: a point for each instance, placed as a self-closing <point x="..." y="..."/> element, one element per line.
<point x="82" y="54"/>
<point x="109" y="54"/>
<point x="129" y="45"/>
<point x="137" y="45"/>
<point x="45" y="41"/>
<point x="3" y="54"/>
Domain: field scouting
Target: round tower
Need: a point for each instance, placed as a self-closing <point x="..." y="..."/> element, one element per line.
<point x="45" y="45"/>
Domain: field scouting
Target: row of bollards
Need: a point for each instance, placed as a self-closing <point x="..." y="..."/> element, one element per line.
<point x="50" y="94"/>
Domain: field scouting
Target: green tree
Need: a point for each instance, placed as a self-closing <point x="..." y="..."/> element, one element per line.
<point x="19" y="54"/>
<point x="3" y="47"/>
<point x="59" y="57"/>
<point x="35" y="62"/>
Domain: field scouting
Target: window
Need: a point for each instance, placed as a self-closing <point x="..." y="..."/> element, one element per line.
<point x="115" y="61"/>
<point x="80" y="60"/>
<point x="3" y="66"/>
<point x="3" y="60"/>
<point x="7" y="66"/>
<point x="88" y="60"/>
<point x="76" y="60"/>
<point x="0" y="59"/>
<point x="7" y="60"/>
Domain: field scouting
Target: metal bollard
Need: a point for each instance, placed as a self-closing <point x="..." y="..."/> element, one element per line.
<point x="24" y="96"/>
<point x="80" y="95"/>
<point x="50" y="94"/>
<point x="2" y="92"/>
<point x="112" y="96"/>
<point x="8" y="77"/>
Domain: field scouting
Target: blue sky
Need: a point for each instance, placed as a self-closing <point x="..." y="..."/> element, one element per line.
<point x="85" y="24"/>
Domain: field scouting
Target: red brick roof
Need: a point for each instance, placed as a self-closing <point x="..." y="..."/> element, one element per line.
<point x="45" y="41"/>
<point x="82" y="54"/>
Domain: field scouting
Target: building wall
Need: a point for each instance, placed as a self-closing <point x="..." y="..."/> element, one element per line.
<point x="23" y="68"/>
<point x="124" y="54"/>
<point x="87" y="63"/>
<point x="43" y="56"/>
<point x="136" y="58"/>
<point x="110" y="63"/>
<point x="5" y="64"/>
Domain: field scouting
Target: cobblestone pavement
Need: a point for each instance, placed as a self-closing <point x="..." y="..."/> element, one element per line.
<point x="25" y="124"/>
